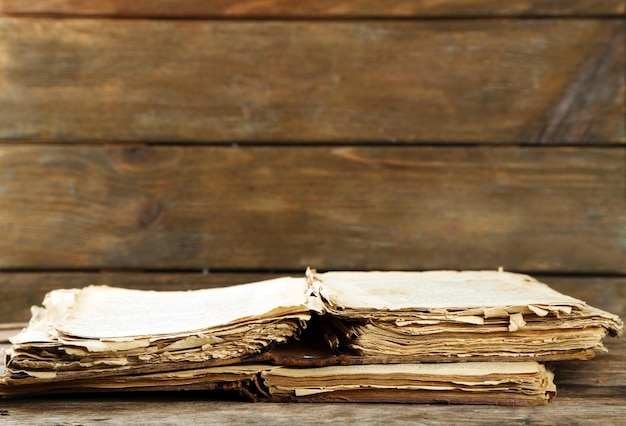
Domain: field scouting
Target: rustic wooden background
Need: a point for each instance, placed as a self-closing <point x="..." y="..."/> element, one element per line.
<point x="184" y="144"/>
<point x="179" y="144"/>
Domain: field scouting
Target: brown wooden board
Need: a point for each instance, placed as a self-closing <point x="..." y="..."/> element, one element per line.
<point x="319" y="8"/>
<point x="289" y="207"/>
<point x="598" y="405"/>
<point x="453" y="81"/>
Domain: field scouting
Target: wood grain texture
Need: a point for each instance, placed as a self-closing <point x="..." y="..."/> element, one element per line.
<point x="285" y="208"/>
<point x="20" y="290"/>
<point x="319" y="8"/>
<point x="309" y="81"/>
<point x="580" y="407"/>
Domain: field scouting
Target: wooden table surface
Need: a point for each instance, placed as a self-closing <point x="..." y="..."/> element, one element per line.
<point x="589" y="392"/>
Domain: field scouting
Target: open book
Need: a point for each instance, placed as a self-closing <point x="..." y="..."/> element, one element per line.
<point x="360" y="336"/>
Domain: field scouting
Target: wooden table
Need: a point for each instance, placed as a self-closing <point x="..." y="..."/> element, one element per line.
<point x="589" y="392"/>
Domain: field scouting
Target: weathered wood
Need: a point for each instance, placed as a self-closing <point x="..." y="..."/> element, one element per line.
<point x="311" y="81"/>
<point x="19" y="291"/>
<point x="286" y="208"/>
<point x="173" y="409"/>
<point x="319" y="8"/>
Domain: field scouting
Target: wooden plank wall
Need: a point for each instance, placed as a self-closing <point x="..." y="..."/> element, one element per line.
<point x="185" y="144"/>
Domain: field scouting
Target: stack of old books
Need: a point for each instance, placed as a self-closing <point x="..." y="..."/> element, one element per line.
<point x="437" y="336"/>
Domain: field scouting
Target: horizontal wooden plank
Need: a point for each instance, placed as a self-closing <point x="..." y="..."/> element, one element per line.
<point x="286" y="208"/>
<point x="313" y="81"/>
<point x="197" y="408"/>
<point x="319" y="8"/>
<point x="20" y="290"/>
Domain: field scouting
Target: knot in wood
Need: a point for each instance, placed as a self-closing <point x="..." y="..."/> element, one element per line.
<point x="148" y="212"/>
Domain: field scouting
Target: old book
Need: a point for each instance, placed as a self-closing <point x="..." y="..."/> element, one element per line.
<point x="446" y="316"/>
<point x="502" y="383"/>
<point x="368" y="333"/>
<point x="508" y="383"/>
<point x="103" y="331"/>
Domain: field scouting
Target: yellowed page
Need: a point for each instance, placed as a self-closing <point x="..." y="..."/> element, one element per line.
<point x="101" y="312"/>
<point x="471" y="369"/>
<point x="437" y="289"/>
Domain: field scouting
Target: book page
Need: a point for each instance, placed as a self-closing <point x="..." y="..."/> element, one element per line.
<point x="480" y="370"/>
<point x="437" y="290"/>
<point x="460" y="379"/>
<point x="101" y="312"/>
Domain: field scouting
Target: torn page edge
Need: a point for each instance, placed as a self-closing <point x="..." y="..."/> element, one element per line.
<point x="315" y="293"/>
